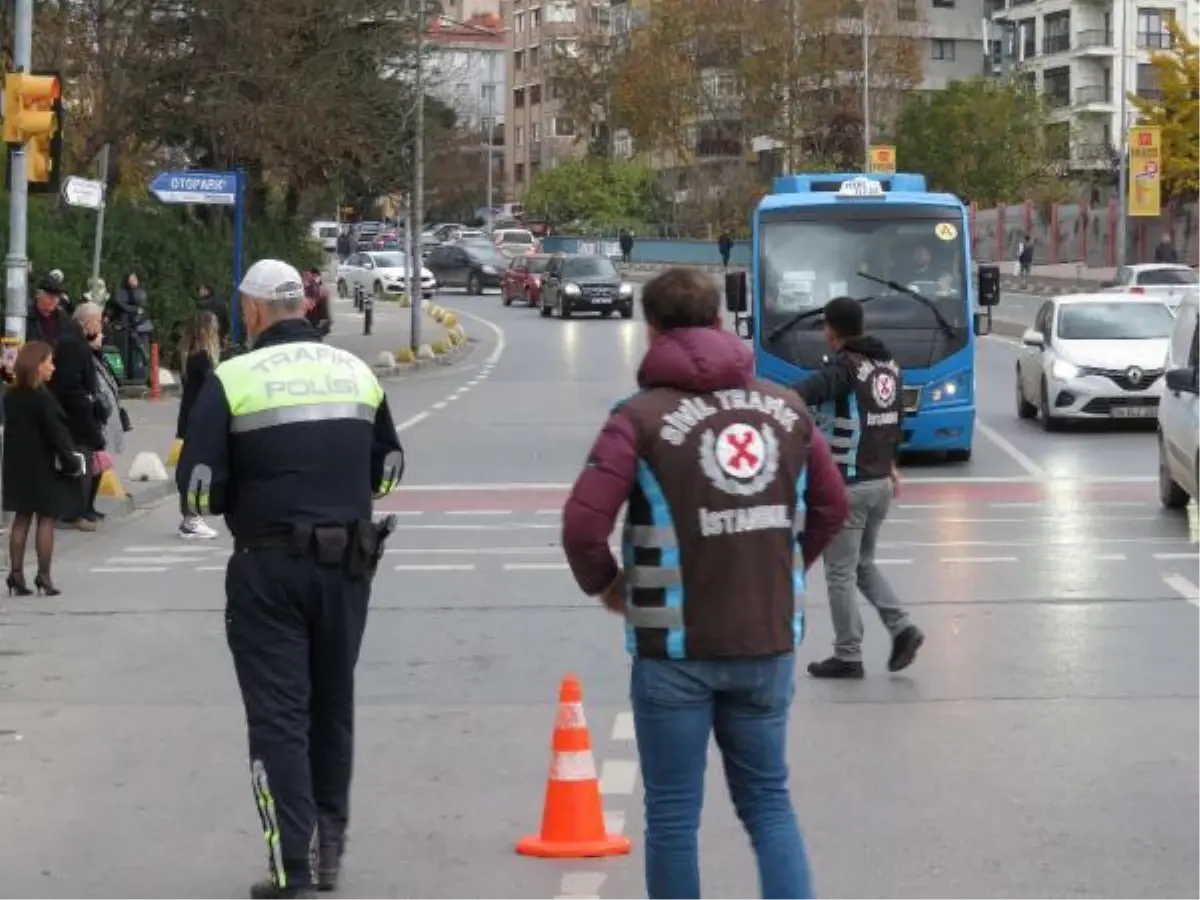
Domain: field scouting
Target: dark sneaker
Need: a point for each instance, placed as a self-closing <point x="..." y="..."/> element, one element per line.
<point x="904" y="648"/>
<point x="835" y="668"/>
<point x="329" y="864"/>
<point x="269" y="890"/>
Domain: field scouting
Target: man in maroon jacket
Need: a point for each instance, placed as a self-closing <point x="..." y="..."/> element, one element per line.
<point x="724" y="476"/>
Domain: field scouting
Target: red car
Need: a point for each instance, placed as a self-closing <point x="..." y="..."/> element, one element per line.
<point x="523" y="279"/>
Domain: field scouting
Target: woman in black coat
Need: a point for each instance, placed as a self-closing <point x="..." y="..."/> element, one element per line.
<point x="76" y="386"/>
<point x="40" y="466"/>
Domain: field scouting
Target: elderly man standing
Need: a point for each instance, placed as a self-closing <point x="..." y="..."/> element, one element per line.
<point x="294" y="470"/>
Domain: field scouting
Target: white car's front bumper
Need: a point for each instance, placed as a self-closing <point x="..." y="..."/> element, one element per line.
<point x="428" y="286"/>
<point x="1105" y="395"/>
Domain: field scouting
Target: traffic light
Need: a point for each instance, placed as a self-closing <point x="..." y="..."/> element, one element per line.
<point x="33" y="117"/>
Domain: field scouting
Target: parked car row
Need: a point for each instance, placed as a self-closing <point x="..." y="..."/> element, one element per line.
<point x="565" y="285"/>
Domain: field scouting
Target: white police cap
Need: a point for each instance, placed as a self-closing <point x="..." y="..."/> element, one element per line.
<point x="272" y="280"/>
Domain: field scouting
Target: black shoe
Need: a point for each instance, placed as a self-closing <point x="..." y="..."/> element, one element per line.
<point x="93" y="516"/>
<point x="329" y="864"/>
<point x="269" y="890"/>
<point x="904" y="648"/>
<point x="835" y="668"/>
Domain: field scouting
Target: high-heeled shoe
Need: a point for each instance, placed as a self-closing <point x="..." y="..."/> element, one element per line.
<point x="16" y="584"/>
<point x="45" y="586"/>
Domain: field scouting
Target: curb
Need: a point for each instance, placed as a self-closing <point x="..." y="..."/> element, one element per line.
<point x="442" y="352"/>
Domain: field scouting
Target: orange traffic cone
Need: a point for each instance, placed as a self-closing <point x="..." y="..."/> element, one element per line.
<point x="573" y="817"/>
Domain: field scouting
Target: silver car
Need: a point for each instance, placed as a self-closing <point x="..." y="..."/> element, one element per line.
<point x="1167" y="282"/>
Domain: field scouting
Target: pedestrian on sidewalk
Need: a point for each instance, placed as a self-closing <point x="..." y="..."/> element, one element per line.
<point x="46" y="319"/>
<point x="1025" y="258"/>
<point x="725" y="248"/>
<point x="316" y="303"/>
<point x="857" y="402"/>
<point x="115" y="420"/>
<point x="41" y="466"/>
<point x="722" y="477"/>
<point x="199" y="354"/>
<point x="295" y="481"/>
<point x="207" y="301"/>
<point x="76" y="385"/>
<point x="1165" y="251"/>
<point x="625" y="242"/>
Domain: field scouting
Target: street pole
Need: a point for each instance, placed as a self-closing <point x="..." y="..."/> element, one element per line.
<point x="99" y="243"/>
<point x="1122" y="141"/>
<point x="418" y="194"/>
<point x="412" y="255"/>
<point x="491" y="115"/>
<point x="16" y="292"/>
<point x="866" y="91"/>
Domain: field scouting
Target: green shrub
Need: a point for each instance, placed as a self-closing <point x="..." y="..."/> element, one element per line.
<point x="172" y="249"/>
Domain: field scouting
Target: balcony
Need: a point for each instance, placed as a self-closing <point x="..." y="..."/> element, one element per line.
<point x="1094" y="95"/>
<point x="1058" y="99"/>
<point x="1056" y="43"/>
<point x="1095" y="42"/>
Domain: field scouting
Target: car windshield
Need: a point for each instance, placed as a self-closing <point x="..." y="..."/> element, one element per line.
<point x="1168" y="276"/>
<point x="806" y="263"/>
<point x="388" y="260"/>
<point x="1114" y="321"/>
<point x="329" y="231"/>
<point x="537" y="264"/>
<point x="516" y="237"/>
<point x="589" y="267"/>
<point x="488" y="256"/>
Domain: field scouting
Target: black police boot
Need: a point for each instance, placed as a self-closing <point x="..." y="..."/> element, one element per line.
<point x="329" y="862"/>
<point x="269" y="890"/>
<point x="835" y="668"/>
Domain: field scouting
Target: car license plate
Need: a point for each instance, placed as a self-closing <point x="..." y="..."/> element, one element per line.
<point x="601" y="301"/>
<point x="1134" y="412"/>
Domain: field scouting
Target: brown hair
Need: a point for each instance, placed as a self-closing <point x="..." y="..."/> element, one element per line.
<point x="681" y="298"/>
<point x="29" y="360"/>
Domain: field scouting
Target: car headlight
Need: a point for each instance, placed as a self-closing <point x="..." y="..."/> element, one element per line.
<point x="955" y="388"/>
<point x="626" y="290"/>
<point x="489" y="270"/>
<point x="1063" y="369"/>
<point x="571" y="290"/>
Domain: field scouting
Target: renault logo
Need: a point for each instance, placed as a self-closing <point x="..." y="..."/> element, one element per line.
<point x="1134" y="374"/>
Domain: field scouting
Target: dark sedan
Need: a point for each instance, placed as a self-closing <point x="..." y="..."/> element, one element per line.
<point x="471" y="266"/>
<point x="577" y="284"/>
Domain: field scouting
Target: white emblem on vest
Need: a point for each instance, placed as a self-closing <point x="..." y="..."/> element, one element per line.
<point x="883" y="388"/>
<point x="741" y="460"/>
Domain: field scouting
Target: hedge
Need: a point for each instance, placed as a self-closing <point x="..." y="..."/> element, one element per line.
<point x="172" y="249"/>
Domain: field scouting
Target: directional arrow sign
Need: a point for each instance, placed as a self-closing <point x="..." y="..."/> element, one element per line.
<point x="200" y="188"/>
<point x="83" y="192"/>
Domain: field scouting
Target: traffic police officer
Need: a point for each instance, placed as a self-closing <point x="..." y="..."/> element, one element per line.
<point x="290" y="441"/>
<point x="856" y="400"/>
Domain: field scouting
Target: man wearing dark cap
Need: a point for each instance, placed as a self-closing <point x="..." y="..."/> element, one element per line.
<point x="46" y="319"/>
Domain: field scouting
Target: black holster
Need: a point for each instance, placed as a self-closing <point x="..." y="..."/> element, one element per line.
<point x="367" y="546"/>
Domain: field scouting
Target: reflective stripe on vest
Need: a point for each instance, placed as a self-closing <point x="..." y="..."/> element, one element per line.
<point x="301" y="382"/>
<point x="844" y="433"/>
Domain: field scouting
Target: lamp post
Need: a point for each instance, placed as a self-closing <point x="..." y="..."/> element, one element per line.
<point x="866" y="91"/>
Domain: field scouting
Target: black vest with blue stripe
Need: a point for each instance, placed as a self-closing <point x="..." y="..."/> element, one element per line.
<point x="863" y="425"/>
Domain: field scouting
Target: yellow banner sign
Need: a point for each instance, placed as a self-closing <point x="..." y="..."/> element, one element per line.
<point x="883" y="159"/>
<point x="1145" y="171"/>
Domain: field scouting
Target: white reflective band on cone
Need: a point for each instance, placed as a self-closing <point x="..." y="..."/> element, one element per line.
<point x="570" y="715"/>
<point x="576" y="765"/>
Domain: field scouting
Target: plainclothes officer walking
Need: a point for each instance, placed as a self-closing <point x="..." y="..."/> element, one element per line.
<point x="290" y="441"/>
<point x="729" y="497"/>
<point x="856" y="399"/>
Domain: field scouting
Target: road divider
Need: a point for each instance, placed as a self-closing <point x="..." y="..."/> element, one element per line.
<point x="445" y="349"/>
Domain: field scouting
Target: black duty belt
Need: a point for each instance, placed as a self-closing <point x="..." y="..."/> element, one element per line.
<point x="357" y="546"/>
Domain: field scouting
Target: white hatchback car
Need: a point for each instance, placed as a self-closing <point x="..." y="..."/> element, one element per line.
<point x="1093" y="356"/>
<point x="1168" y="282"/>
<point x="1179" y="412"/>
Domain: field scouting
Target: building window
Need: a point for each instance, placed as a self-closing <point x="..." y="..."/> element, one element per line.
<point x="519" y="98"/>
<point x="942" y="49"/>
<point x="1147" y="82"/>
<point x="519" y="136"/>
<point x="519" y="22"/>
<point x="564" y="49"/>
<point x="1056" y="85"/>
<point x="519" y="173"/>
<point x="1056" y="33"/>
<point x="535" y="56"/>
<point x="535" y="18"/>
<point x="487" y="94"/>
<point x="519" y="60"/>
<point x="535" y="132"/>
<point x="1028" y="38"/>
<point x="1153" y="31"/>
<point x="535" y="94"/>
<point x="560" y="12"/>
<point x="602" y="17"/>
<point x="906" y="10"/>
<point x="943" y="4"/>
<point x="564" y="126"/>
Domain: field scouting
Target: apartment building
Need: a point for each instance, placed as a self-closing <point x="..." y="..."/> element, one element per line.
<point x="1085" y="55"/>
<point x="536" y="131"/>
<point x="466" y="70"/>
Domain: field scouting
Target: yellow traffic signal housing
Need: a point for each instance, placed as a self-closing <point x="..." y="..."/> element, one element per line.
<point x="31" y="106"/>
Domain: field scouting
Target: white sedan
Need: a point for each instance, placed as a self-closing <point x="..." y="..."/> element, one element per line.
<point x="1093" y="356"/>
<point x="380" y="272"/>
<point x="1167" y="282"/>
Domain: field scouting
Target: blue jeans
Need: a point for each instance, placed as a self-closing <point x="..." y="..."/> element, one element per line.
<point x="676" y="706"/>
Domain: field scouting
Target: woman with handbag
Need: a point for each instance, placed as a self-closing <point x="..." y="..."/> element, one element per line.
<point x="41" y="466"/>
<point x="76" y="385"/>
<point x="199" y="353"/>
<point x="114" y="421"/>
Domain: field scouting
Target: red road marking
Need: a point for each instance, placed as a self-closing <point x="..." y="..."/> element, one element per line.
<point x="527" y="500"/>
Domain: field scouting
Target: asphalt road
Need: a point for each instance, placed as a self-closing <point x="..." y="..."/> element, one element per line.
<point x="1045" y="743"/>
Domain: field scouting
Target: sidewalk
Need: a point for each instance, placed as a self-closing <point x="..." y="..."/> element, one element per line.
<point x="391" y="330"/>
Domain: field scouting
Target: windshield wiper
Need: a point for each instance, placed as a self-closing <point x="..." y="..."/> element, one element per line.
<point x="789" y="324"/>
<point x="942" y="321"/>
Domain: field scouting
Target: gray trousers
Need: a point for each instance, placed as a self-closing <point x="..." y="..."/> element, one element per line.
<point x="850" y="568"/>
